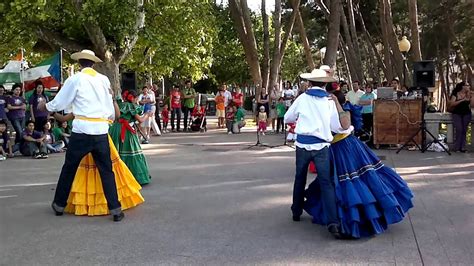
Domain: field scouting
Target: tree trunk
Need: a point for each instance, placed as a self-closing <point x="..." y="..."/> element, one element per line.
<point x="387" y="55"/>
<point x="304" y="39"/>
<point x="266" y="47"/>
<point x="274" y="66"/>
<point x="371" y="42"/>
<point x="392" y="39"/>
<point x="350" y="51"/>
<point x="355" y="40"/>
<point x="110" y="68"/>
<point x="415" y="33"/>
<point x="241" y="16"/>
<point x="278" y="55"/>
<point x="346" y="65"/>
<point x="333" y="33"/>
<point x="349" y="60"/>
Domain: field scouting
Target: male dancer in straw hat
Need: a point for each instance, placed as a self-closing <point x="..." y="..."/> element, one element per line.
<point x="88" y="93"/>
<point x="317" y="113"/>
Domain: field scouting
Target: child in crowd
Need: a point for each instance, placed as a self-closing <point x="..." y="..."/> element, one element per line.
<point x="281" y="110"/>
<point x="220" y="109"/>
<point x="199" y="122"/>
<point x="62" y="132"/>
<point x="32" y="143"/>
<point x="229" y="118"/>
<point x="165" y="115"/>
<point x="5" y="143"/>
<point x="262" y="121"/>
<point x="239" y="119"/>
<point x="53" y="145"/>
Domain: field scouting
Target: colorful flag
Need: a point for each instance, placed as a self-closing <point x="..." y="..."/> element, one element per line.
<point x="11" y="72"/>
<point x="48" y="72"/>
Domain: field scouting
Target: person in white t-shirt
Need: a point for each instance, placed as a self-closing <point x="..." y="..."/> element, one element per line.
<point x="288" y="95"/>
<point x="354" y="95"/>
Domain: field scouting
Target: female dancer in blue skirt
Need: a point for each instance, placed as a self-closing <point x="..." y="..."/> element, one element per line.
<point x="370" y="195"/>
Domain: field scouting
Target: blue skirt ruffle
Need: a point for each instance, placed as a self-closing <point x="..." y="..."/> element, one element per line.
<point x="370" y="196"/>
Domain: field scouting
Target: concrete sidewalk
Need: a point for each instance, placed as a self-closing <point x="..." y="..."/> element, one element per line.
<point x="213" y="201"/>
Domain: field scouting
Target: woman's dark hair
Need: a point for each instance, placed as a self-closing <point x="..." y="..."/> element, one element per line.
<point x="3" y="122"/>
<point x="130" y="96"/>
<point x="340" y="97"/>
<point x="1" y="87"/>
<point x="16" y="85"/>
<point x="85" y="63"/>
<point x="29" y="122"/>
<point x="37" y="83"/>
<point x="458" y="88"/>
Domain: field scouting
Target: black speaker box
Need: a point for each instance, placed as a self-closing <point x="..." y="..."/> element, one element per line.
<point x="129" y="81"/>
<point x="424" y="74"/>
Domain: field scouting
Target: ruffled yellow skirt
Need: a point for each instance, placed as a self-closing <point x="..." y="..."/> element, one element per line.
<point x="87" y="196"/>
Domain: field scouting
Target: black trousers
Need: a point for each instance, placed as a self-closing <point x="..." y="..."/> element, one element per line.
<point x="186" y="112"/>
<point x="280" y="124"/>
<point x="175" y="112"/>
<point x="368" y="121"/>
<point x="79" y="146"/>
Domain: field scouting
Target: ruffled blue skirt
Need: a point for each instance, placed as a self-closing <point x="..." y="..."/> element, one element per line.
<point x="370" y="196"/>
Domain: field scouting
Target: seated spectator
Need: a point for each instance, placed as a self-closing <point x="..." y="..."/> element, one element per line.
<point x="53" y="145"/>
<point x="32" y="143"/>
<point x="199" y="122"/>
<point x="62" y="132"/>
<point x="229" y="118"/>
<point x="3" y="103"/>
<point x="239" y="119"/>
<point x="5" y="143"/>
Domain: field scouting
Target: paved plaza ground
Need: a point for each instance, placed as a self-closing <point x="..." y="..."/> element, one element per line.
<point x="212" y="201"/>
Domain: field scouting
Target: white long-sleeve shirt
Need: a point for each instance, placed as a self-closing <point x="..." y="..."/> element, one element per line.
<point x="317" y="116"/>
<point x="87" y="92"/>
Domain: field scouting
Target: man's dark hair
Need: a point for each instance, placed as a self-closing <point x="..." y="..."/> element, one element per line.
<point x="3" y="122"/>
<point x="86" y="63"/>
<point x="317" y="84"/>
<point x="356" y="81"/>
<point x="30" y="122"/>
<point x="187" y="81"/>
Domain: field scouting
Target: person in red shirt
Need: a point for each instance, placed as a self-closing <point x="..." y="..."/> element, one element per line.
<point x="165" y="115"/>
<point x="238" y="98"/>
<point x="175" y="103"/>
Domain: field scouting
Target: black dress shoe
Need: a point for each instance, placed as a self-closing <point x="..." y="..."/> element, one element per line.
<point x="335" y="231"/>
<point x="119" y="217"/>
<point x="296" y="219"/>
<point x="56" y="212"/>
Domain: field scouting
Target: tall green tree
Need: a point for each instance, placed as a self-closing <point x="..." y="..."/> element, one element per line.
<point x="177" y="31"/>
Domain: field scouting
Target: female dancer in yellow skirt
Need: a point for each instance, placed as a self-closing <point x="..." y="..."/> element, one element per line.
<point x="87" y="196"/>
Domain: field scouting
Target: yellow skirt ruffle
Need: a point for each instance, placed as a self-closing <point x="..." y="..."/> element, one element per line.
<point x="87" y="196"/>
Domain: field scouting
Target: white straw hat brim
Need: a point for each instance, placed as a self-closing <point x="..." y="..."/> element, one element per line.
<point x="86" y="54"/>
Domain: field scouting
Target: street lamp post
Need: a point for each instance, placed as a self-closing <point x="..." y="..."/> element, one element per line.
<point x="404" y="46"/>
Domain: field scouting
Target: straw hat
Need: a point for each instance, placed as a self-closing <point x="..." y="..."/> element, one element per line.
<point x="86" y="54"/>
<point x="322" y="74"/>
